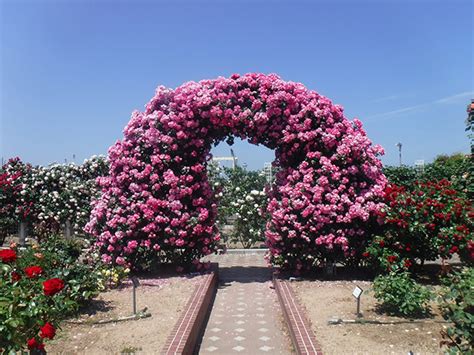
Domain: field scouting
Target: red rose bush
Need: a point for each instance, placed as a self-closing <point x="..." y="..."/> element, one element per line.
<point x="39" y="286"/>
<point x="430" y="220"/>
<point x="157" y="202"/>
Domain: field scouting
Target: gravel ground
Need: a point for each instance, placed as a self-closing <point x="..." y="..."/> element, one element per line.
<point x="324" y="300"/>
<point x="165" y="299"/>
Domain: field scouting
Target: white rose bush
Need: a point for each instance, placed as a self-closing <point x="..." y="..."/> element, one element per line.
<point x="251" y="218"/>
<point x="46" y="197"/>
<point x="242" y="198"/>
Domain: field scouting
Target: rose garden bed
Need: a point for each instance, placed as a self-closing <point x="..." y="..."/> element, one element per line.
<point x="325" y="300"/>
<point x="164" y="298"/>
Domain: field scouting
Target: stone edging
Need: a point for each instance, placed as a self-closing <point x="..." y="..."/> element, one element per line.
<point x="186" y="333"/>
<point x="301" y="334"/>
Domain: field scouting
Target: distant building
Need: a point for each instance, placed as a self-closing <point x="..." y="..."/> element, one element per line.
<point x="420" y="166"/>
<point x="267" y="169"/>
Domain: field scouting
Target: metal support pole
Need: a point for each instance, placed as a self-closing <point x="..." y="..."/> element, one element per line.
<point x="67" y="230"/>
<point x="134" y="299"/>
<point x="23" y="233"/>
<point x="358" y="307"/>
<point x="135" y="283"/>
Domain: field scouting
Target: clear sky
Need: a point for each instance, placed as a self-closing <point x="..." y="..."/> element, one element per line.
<point x="73" y="71"/>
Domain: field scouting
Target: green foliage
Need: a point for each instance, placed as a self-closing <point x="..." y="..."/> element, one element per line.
<point x="241" y="198"/>
<point x="400" y="295"/>
<point x="457" y="305"/>
<point x="24" y="306"/>
<point x="401" y="175"/>
<point x="456" y="168"/>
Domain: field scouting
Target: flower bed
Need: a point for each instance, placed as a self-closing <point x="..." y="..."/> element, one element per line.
<point x="165" y="300"/>
<point x="325" y="300"/>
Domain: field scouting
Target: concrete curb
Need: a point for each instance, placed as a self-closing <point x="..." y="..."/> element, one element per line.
<point x="302" y="336"/>
<point x="187" y="331"/>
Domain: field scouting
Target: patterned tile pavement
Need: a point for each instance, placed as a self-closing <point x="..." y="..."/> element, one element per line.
<point x="246" y="317"/>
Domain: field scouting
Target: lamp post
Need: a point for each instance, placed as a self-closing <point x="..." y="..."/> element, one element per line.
<point x="399" y="146"/>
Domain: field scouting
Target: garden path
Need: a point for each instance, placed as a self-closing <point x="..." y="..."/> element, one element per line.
<point x="246" y="317"/>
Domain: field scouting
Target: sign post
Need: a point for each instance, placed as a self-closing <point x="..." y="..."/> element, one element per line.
<point x="136" y="283"/>
<point x="357" y="293"/>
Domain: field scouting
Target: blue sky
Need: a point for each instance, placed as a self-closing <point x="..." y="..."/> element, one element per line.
<point x="73" y="71"/>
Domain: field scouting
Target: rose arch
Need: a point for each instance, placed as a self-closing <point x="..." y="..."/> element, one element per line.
<point x="157" y="203"/>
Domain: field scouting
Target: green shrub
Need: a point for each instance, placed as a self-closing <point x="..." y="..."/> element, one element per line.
<point x="456" y="168"/>
<point x="401" y="175"/>
<point x="400" y="295"/>
<point x="457" y="305"/>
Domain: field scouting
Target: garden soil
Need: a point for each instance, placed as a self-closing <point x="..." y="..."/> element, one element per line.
<point x="324" y="300"/>
<point x="165" y="301"/>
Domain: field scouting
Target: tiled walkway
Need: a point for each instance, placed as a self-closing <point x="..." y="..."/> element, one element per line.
<point x="246" y="317"/>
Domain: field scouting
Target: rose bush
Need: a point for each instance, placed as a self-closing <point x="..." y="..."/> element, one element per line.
<point x="457" y="306"/>
<point x="251" y="218"/>
<point x="241" y="197"/>
<point x="157" y="202"/>
<point x="15" y="203"/>
<point x="47" y="197"/>
<point x="427" y="222"/>
<point x="39" y="286"/>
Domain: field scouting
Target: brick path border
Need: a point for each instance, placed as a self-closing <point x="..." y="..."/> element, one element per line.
<point x="187" y="331"/>
<point x="302" y="336"/>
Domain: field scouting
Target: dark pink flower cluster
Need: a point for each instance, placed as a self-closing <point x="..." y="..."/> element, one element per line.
<point x="157" y="198"/>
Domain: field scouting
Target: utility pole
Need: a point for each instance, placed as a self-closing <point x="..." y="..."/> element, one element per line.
<point x="233" y="159"/>
<point x="470" y="125"/>
<point x="399" y="146"/>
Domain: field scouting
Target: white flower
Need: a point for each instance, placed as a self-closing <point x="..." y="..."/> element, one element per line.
<point x="254" y="192"/>
<point x="237" y="189"/>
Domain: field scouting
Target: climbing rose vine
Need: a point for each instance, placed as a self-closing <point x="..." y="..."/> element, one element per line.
<point x="157" y="202"/>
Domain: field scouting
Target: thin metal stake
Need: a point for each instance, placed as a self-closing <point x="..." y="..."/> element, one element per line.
<point x="135" y="283"/>
<point x="134" y="299"/>
<point x="23" y="232"/>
